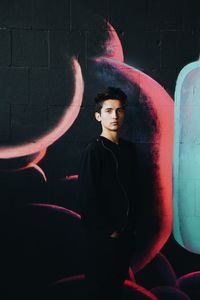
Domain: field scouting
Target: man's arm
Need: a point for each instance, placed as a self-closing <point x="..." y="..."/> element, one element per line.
<point x="92" y="211"/>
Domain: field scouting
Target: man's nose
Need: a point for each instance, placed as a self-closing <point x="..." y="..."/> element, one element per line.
<point x="114" y="114"/>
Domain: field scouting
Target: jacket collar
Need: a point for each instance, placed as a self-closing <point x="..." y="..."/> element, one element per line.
<point x="109" y="142"/>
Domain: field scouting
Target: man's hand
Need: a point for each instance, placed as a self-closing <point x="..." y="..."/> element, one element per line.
<point x="115" y="234"/>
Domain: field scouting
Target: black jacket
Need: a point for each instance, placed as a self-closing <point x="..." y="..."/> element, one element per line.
<point x="107" y="185"/>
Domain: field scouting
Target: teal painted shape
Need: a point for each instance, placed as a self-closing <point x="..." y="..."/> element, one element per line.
<point x="186" y="160"/>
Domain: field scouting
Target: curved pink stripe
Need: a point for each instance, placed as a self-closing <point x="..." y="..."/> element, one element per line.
<point x="140" y="289"/>
<point x="113" y="45"/>
<point x="71" y="177"/>
<point x="57" y="207"/>
<point x="68" y="279"/>
<point x="30" y="164"/>
<point x="40" y="171"/>
<point x="131" y="274"/>
<point x="163" y="105"/>
<point x="188" y="275"/>
<point x="68" y="118"/>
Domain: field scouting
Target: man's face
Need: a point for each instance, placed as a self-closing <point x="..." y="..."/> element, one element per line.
<point x="112" y="115"/>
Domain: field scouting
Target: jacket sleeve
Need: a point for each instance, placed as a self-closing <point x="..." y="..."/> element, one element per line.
<point x="92" y="212"/>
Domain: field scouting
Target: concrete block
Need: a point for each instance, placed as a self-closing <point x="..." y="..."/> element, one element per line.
<point x="13" y="85"/>
<point x="51" y="87"/>
<point x="15" y="14"/>
<point x="4" y="123"/>
<point x="30" y="48"/>
<point x="51" y="14"/>
<point x="59" y="48"/>
<point x="88" y="14"/>
<point x="5" y="48"/>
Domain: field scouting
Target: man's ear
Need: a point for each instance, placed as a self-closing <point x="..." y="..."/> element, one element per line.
<point x="98" y="116"/>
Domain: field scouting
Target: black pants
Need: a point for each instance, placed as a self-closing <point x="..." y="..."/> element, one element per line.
<point x="107" y="263"/>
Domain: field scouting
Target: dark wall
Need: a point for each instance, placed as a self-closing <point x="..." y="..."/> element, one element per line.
<point x="38" y="39"/>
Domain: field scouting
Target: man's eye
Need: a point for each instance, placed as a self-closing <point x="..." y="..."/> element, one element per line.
<point x="108" y="110"/>
<point x="121" y="110"/>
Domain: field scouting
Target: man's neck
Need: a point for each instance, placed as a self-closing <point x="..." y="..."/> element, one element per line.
<point x="112" y="136"/>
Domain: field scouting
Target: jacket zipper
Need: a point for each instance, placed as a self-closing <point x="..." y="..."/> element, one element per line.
<point x="117" y="167"/>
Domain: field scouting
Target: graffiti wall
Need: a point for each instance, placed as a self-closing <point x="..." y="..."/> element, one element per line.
<point x="54" y="58"/>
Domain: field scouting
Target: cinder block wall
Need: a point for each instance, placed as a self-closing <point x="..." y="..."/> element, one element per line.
<point x="38" y="37"/>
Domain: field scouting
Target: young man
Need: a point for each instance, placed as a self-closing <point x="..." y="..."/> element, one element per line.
<point x="107" y="187"/>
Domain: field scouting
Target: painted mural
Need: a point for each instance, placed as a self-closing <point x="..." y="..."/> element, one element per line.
<point x="186" y="159"/>
<point x="42" y="242"/>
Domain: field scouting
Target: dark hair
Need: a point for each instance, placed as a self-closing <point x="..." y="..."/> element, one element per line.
<point x="109" y="93"/>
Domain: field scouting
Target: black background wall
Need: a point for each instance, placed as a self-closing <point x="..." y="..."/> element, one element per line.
<point x="37" y="38"/>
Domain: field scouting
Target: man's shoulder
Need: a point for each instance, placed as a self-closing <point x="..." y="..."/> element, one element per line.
<point x="127" y="143"/>
<point x="92" y="145"/>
